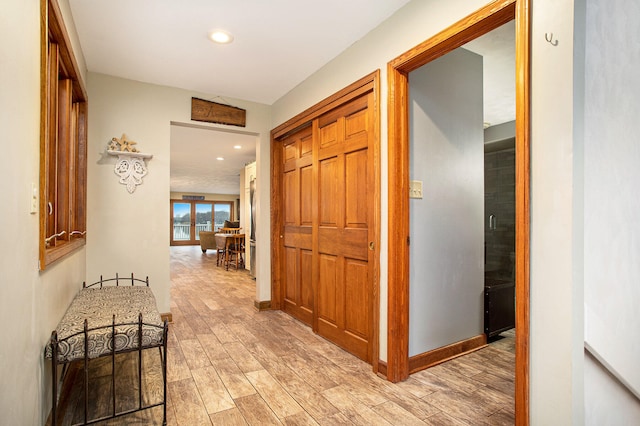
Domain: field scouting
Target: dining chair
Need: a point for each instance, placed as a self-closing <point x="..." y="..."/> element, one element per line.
<point x="235" y="251"/>
<point x="221" y="249"/>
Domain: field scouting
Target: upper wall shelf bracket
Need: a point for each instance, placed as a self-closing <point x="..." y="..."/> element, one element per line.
<point x="130" y="166"/>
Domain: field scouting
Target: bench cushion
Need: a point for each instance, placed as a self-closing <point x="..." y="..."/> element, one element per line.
<point x="98" y="306"/>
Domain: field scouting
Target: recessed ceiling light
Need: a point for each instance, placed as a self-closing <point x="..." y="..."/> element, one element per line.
<point x="220" y="36"/>
<point x="237" y="147"/>
<point x="219" y="158"/>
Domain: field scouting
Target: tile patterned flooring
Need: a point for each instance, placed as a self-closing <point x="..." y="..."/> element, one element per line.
<point x="232" y="365"/>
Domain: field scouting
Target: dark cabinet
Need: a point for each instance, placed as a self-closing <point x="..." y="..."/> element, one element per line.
<point x="499" y="306"/>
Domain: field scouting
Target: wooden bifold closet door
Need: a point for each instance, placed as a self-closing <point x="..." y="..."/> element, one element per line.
<point x="328" y="241"/>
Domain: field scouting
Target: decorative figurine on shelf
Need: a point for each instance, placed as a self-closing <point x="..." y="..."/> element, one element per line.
<point x="122" y="144"/>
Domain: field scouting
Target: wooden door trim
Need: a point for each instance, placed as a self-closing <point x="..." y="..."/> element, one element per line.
<point x="352" y="91"/>
<point x="523" y="212"/>
<point x="478" y="23"/>
<point x="368" y="83"/>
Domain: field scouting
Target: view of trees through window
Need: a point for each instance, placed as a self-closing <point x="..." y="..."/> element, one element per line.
<point x="191" y="217"/>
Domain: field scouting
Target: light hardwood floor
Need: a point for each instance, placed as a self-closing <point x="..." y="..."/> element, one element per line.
<point x="230" y="364"/>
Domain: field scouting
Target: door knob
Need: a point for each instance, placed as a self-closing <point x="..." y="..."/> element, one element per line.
<point x="372" y="245"/>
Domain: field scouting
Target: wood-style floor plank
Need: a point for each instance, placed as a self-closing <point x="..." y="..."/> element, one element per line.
<point x="232" y="417"/>
<point x="194" y="354"/>
<point x="395" y="414"/>
<point x="214" y="394"/>
<point x="234" y="380"/>
<point x="351" y="407"/>
<point x="188" y="405"/>
<point x="256" y="411"/>
<point x="230" y="364"/>
<point x="242" y="357"/>
<point x="300" y="419"/>
<point x="274" y="394"/>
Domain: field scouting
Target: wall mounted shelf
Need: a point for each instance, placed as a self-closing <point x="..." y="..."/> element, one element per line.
<point x="130" y="167"/>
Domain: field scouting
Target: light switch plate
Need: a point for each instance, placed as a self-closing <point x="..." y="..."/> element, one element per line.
<point x="34" y="199"/>
<point x="415" y="189"/>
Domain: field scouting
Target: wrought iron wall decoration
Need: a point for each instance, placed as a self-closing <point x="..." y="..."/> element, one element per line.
<point x="130" y="167"/>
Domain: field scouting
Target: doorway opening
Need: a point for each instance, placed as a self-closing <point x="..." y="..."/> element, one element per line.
<point x="208" y="179"/>
<point x="479" y="23"/>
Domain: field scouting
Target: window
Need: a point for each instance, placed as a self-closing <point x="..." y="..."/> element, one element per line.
<point x="188" y="218"/>
<point x="63" y="142"/>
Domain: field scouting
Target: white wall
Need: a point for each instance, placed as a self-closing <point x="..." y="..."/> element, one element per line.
<point x="607" y="401"/>
<point x="611" y="207"/>
<point x="31" y="303"/>
<point x="446" y="140"/>
<point x="556" y="303"/>
<point x="556" y="294"/>
<point x="130" y="232"/>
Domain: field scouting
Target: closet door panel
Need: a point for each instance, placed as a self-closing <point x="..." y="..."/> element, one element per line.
<point x="297" y="233"/>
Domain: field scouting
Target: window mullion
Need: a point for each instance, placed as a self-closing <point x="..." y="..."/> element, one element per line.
<point x="80" y="176"/>
<point x="65" y="125"/>
<point x="51" y="139"/>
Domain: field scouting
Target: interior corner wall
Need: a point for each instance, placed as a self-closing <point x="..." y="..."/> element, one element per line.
<point x="611" y="206"/>
<point x="607" y="401"/>
<point x="31" y="302"/>
<point x="129" y="233"/>
<point x="556" y="300"/>
<point x="446" y="145"/>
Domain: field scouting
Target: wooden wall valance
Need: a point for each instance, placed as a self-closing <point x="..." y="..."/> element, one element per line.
<point x="213" y="112"/>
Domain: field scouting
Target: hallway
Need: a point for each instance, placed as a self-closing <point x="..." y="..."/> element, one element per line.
<point x="230" y="364"/>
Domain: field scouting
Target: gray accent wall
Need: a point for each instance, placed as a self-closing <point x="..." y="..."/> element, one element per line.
<point x="447" y="234"/>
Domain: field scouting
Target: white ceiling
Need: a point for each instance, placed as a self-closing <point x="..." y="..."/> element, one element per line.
<point x="277" y="45"/>
<point x="194" y="167"/>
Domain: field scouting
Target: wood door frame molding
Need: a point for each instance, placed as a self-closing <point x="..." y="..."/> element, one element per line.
<point x="368" y="83"/>
<point x="478" y="23"/>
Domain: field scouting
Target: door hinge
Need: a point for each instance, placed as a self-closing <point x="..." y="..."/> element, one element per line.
<point x="408" y="241"/>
